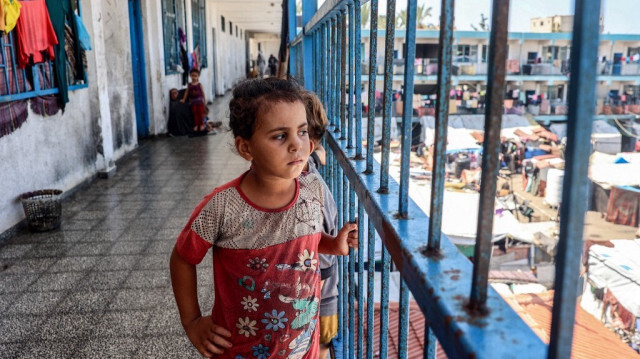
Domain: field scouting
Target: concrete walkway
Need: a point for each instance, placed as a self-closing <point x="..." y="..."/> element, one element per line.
<point x="100" y="285"/>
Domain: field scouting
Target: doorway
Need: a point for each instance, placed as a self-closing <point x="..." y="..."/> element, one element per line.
<point x="138" y="68"/>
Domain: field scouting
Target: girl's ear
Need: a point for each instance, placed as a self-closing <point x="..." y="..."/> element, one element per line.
<point x="312" y="146"/>
<point x="243" y="148"/>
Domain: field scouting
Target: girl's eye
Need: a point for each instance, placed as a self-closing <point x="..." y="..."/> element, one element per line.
<point x="304" y="132"/>
<point x="279" y="137"/>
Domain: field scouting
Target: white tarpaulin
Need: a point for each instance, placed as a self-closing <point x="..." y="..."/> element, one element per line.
<point x="604" y="137"/>
<point x="618" y="268"/>
<point x="461" y="126"/>
<point x="604" y="170"/>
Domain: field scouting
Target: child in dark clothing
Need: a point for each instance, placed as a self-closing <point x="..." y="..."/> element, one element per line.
<point x="317" y="120"/>
<point x="197" y="100"/>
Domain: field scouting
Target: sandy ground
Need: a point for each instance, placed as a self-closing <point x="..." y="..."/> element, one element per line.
<point x="596" y="227"/>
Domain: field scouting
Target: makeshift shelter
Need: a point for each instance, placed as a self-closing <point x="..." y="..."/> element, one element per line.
<point x="605" y="137"/>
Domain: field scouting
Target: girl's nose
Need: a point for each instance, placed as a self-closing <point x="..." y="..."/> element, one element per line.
<point x="295" y="144"/>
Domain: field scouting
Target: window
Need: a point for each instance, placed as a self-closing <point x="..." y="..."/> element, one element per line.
<point x="198" y="23"/>
<point x="465" y="53"/>
<point x="634" y="54"/>
<point x="230" y="28"/>
<point x="33" y="81"/>
<point x="173" y="19"/>
<point x="222" y="23"/>
<point x="552" y="53"/>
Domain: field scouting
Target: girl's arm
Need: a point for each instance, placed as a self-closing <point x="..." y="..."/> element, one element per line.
<point x="206" y="336"/>
<point x="204" y="97"/>
<point x="339" y="245"/>
<point x="186" y="94"/>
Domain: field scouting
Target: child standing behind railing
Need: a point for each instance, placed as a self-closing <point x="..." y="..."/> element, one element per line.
<point x="265" y="231"/>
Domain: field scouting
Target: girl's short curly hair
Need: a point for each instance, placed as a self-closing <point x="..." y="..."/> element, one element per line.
<point x="317" y="117"/>
<point x="252" y="98"/>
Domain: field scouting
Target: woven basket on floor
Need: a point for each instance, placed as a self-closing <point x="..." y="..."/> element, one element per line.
<point x="43" y="209"/>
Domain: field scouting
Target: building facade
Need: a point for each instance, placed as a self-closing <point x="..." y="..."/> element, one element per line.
<point x="538" y="70"/>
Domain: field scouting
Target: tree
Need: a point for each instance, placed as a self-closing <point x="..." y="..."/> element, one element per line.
<point x="423" y="12"/>
<point x="382" y="22"/>
<point x="483" y="25"/>
<point x="365" y="16"/>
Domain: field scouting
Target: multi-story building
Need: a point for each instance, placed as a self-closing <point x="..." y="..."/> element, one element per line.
<point x="538" y="71"/>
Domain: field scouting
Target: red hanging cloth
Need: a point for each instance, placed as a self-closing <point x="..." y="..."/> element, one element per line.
<point x="35" y="33"/>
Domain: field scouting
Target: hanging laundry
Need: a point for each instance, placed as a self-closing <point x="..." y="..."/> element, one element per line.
<point x="61" y="12"/>
<point x="182" y="36"/>
<point x="3" y="25"/>
<point x="12" y="115"/>
<point x="10" y="14"/>
<point x="83" y="35"/>
<point x="35" y="33"/>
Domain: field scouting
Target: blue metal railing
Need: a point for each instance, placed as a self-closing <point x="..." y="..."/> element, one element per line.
<point x="461" y="310"/>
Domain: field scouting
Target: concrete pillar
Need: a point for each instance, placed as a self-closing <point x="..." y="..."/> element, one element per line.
<point x="100" y="102"/>
<point x="309" y="8"/>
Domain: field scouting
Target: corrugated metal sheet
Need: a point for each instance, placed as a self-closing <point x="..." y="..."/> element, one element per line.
<point x="416" y="332"/>
<point x="591" y="338"/>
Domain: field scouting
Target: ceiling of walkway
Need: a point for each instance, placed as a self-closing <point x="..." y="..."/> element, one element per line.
<point x="253" y="15"/>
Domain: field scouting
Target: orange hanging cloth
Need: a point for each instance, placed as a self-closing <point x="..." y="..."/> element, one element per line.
<point x="35" y="33"/>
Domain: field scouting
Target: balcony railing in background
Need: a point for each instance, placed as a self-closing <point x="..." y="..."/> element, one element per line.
<point x="469" y="319"/>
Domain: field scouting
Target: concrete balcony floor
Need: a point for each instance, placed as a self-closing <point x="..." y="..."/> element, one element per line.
<point x="100" y="285"/>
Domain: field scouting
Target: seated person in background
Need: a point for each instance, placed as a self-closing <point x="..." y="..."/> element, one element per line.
<point x="505" y="190"/>
<point x="180" y="118"/>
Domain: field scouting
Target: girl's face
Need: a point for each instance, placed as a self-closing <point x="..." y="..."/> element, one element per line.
<point x="280" y="144"/>
<point x="194" y="77"/>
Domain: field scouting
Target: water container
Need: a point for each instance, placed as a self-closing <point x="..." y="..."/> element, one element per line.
<point x="462" y="163"/>
<point x="553" y="195"/>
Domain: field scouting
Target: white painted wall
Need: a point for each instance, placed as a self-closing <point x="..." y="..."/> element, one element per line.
<point x="62" y="151"/>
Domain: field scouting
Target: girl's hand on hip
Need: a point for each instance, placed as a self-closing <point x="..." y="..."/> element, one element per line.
<point x="208" y="337"/>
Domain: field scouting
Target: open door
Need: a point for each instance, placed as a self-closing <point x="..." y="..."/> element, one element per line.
<point x="138" y="68"/>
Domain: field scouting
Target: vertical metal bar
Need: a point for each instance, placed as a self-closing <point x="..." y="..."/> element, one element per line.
<point x="384" y="298"/>
<point x="332" y="73"/>
<point x="490" y="152"/>
<point x="317" y="69"/>
<point x="430" y="344"/>
<point x="388" y="84"/>
<point x="345" y="260"/>
<point x="343" y="75"/>
<point x="360" y="275"/>
<point x="442" y="123"/>
<point x="579" y="122"/>
<point x="371" y="95"/>
<point x="341" y="283"/>
<point x="407" y="110"/>
<point x="321" y="68"/>
<point x="351" y="79"/>
<point x="403" y="323"/>
<point x="371" y="272"/>
<point x="15" y="67"/>
<point x="5" y="71"/>
<point x="352" y="282"/>
<point x="358" y="78"/>
<point x="326" y="64"/>
<point x="337" y="74"/>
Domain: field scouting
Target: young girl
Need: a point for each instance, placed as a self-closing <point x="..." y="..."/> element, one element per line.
<point x="265" y="232"/>
<point x="195" y="93"/>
